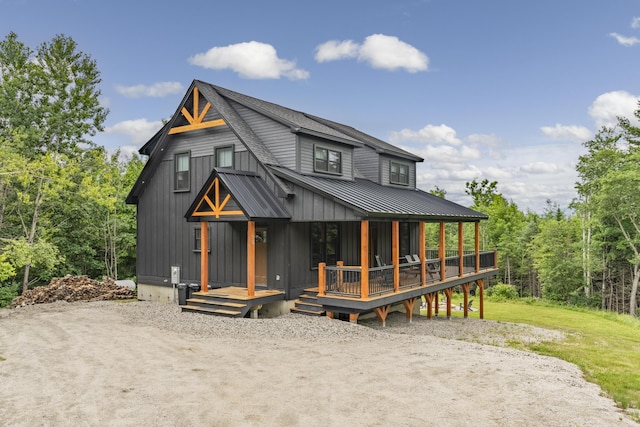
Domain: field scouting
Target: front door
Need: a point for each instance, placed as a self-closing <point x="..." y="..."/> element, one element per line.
<point x="261" y="256"/>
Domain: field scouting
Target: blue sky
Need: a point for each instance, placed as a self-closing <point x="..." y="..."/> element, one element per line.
<point x="504" y="90"/>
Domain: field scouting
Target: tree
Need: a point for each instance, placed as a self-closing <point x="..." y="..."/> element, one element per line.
<point x="49" y="106"/>
<point x="51" y="95"/>
<point x="482" y="193"/>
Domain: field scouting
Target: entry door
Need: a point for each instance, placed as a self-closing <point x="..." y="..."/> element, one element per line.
<point x="261" y="256"/>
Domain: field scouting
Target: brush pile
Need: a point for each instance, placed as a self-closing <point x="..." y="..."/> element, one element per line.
<point x="74" y="288"/>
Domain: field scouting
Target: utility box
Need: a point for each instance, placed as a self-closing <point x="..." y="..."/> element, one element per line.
<point x="175" y="275"/>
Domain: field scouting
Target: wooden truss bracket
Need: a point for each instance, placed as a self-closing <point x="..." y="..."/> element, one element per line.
<point x="196" y="117"/>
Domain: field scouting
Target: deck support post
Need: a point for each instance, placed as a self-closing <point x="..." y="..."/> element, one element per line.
<point x="364" y="258"/>
<point x="204" y="256"/>
<point x="353" y="317"/>
<point x="382" y="313"/>
<point x="436" y="304"/>
<point x="408" y="306"/>
<point x="465" y="290"/>
<point x="251" y="258"/>
<point x="429" y="298"/>
<point x="395" y="254"/>
<point x="441" y="252"/>
<point x="422" y="244"/>
<point x="329" y="314"/>
<point x="448" y="293"/>
<point x="461" y="248"/>
<point x="480" y="283"/>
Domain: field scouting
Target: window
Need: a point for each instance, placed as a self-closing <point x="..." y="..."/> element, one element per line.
<point x="181" y="161"/>
<point x="325" y="160"/>
<point x="399" y="173"/>
<point x="324" y="243"/>
<point x="224" y="157"/>
<point x="197" y="240"/>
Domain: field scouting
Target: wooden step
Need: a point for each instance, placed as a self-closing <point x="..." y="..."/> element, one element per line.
<point x="218" y="302"/>
<point x="220" y="312"/>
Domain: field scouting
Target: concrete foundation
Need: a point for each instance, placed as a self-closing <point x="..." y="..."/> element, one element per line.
<point x="157" y="293"/>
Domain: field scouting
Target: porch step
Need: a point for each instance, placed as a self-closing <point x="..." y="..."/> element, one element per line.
<point x="307" y="304"/>
<point x="216" y="311"/>
<point x="215" y="305"/>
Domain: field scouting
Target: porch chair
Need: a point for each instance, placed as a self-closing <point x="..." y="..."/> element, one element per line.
<point x="468" y="306"/>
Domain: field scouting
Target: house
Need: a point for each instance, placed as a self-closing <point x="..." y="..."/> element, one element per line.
<point x="262" y="205"/>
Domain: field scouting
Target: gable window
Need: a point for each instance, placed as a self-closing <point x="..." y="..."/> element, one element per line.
<point x="181" y="177"/>
<point x="224" y="157"/>
<point x="326" y="160"/>
<point x="324" y="243"/>
<point x="399" y="173"/>
<point x="197" y="240"/>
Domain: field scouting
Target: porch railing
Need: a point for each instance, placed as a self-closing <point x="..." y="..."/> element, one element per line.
<point x="344" y="280"/>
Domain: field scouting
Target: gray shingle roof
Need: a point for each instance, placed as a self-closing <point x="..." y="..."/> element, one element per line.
<point x="378" y="201"/>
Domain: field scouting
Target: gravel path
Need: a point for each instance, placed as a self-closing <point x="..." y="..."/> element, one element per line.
<point x="142" y="363"/>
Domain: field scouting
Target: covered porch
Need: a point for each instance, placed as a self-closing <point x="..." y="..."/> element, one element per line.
<point x="355" y="289"/>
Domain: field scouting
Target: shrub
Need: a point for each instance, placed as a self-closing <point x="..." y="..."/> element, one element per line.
<point x="502" y="292"/>
<point x="7" y="294"/>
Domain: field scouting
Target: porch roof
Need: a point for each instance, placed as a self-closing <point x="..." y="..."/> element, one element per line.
<point x="378" y="201"/>
<point x="248" y="190"/>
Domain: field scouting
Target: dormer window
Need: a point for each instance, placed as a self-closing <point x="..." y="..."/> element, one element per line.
<point x="181" y="177"/>
<point x="327" y="161"/>
<point x="399" y="173"/>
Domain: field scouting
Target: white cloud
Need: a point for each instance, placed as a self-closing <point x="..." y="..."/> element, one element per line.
<point x="157" y="90"/>
<point x="378" y="50"/>
<point x="567" y="133"/>
<point x="624" y="40"/>
<point x="251" y="60"/>
<point x="540" y="168"/>
<point x="139" y="130"/>
<point x="489" y="140"/>
<point x="334" y="50"/>
<point x="607" y="107"/>
<point x="430" y="134"/>
<point x="635" y="22"/>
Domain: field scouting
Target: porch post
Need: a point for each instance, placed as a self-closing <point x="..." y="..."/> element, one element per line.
<point x="395" y="254"/>
<point x="204" y="256"/>
<point x="421" y="253"/>
<point x="461" y="248"/>
<point x="477" y="247"/>
<point x="364" y="258"/>
<point x="251" y="258"/>
<point x="441" y="253"/>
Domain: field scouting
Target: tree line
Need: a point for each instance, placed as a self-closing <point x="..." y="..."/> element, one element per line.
<point x="589" y="256"/>
<point x="62" y="208"/>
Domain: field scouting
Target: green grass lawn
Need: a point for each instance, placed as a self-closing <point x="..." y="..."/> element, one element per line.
<point x="606" y="346"/>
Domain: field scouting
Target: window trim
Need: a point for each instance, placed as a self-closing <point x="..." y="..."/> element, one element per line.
<point x="328" y="151"/>
<point x="217" y="156"/>
<point x="400" y="165"/>
<point x="176" y="171"/>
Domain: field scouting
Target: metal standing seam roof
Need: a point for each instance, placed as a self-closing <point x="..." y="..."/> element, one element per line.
<point x="249" y="191"/>
<point x="375" y="200"/>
